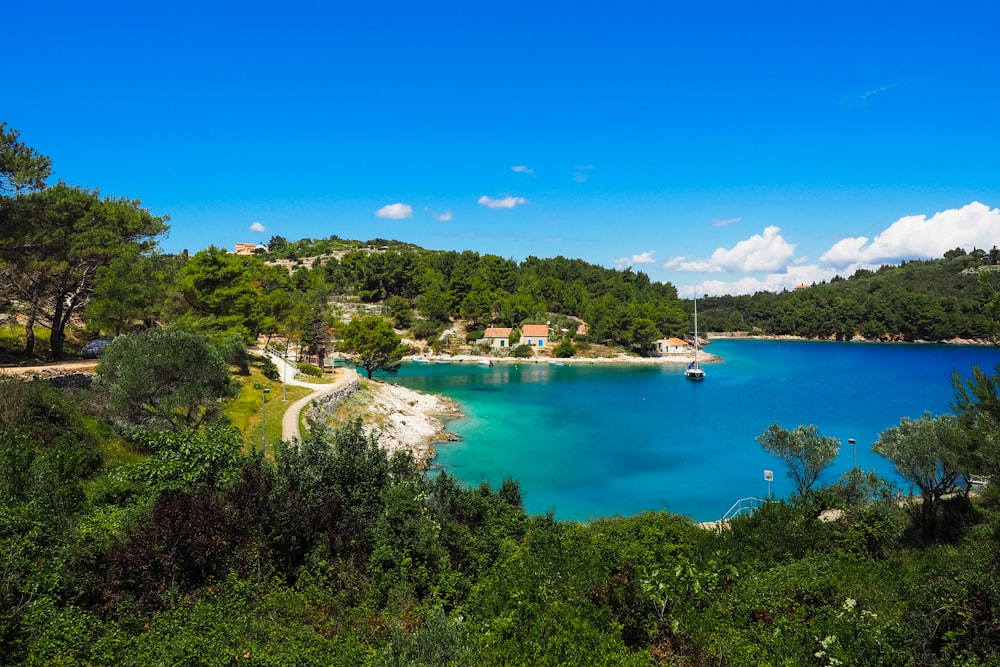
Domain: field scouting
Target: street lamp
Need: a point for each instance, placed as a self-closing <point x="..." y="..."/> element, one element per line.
<point x="263" y="430"/>
<point x="768" y="477"/>
<point x="851" y="441"/>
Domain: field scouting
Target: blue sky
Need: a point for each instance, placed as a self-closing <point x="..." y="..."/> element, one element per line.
<point x="724" y="147"/>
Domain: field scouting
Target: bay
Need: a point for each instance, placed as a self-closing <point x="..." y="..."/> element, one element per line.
<point x="595" y="440"/>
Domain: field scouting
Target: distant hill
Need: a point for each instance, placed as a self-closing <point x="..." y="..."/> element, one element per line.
<point x="932" y="300"/>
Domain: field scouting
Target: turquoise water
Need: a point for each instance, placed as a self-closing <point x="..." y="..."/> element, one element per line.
<point x="599" y="440"/>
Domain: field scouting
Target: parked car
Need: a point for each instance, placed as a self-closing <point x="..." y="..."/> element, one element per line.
<point x="95" y="348"/>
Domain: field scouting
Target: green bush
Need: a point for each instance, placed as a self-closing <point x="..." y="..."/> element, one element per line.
<point x="269" y="370"/>
<point x="524" y="351"/>
<point x="424" y="329"/>
<point x="310" y="369"/>
<point x="564" y="349"/>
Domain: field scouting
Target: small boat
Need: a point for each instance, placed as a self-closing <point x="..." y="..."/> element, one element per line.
<point x="484" y="362"/>
<point x="694" y="371"/>
<point x="418" y="360"/>
<point x="554" y="362"/>
<point x="442" y="361"/>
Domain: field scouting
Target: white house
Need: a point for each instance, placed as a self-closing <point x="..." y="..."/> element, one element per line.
<point x="536" y="335"/>
<point x="672" y="346"/>
<point x="497" y="337"/>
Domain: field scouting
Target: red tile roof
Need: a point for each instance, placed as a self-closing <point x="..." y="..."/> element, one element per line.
<point x="535" y="330"/>
<point x="497" y="332"/>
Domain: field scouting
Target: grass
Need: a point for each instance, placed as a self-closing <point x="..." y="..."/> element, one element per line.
<point x="244" y="411"/>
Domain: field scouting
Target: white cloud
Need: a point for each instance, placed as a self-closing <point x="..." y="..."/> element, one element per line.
<point x="919" y="237"/>
<point x="726" y="222"/>
<point x="506" y="202"/>
<point x="771" y="282"/>
<point x="257" y="227"/>
<point x="761" y="252"/>
<point x="395" y="211"/>
<point x="440" y="217"/>
<point x="521" y="169"/>
<point x="641" y="258"/>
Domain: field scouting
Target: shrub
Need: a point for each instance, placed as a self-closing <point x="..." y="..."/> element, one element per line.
<point x="564" y="349"/>
<point x="269" y="370"/>
<point x="524" y="351"/>
<point x="424" y="329"/>
<point x="310" y="369"/>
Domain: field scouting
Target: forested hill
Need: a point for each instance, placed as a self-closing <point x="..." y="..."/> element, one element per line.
<point x="930" y="300"/>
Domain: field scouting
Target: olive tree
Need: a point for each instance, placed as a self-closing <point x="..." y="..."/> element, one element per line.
<point x="164" y="379"/>
<point x="927" y="452"/>
<point x="805" y="453"/>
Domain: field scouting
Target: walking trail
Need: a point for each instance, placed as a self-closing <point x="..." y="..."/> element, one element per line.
<point x="290" y="421"/>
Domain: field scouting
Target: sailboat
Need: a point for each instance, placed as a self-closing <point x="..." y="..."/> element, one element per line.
<point x="694" y="371"/>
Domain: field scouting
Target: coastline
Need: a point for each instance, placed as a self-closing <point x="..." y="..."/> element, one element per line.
<point x="406" y="419"/>
<point x="669" y="359"/>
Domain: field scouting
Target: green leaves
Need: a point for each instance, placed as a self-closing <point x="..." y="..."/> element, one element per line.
<point x="163" y="379"/>
<point x="375" y="345"/>
<point x="806" y="454"/>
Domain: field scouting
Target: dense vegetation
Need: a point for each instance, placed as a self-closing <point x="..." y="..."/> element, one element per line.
<point x="136" y="528"/>
<point x="176" y="547"/>
<point x="918" y="300"/>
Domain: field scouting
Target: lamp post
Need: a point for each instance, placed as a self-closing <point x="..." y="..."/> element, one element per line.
<point x="768" y="476"/>
<point x="852" y="442"/>
<point x="263" y="429"/>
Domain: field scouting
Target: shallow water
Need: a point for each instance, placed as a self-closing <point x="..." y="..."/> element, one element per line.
<point x="598" y="440"/>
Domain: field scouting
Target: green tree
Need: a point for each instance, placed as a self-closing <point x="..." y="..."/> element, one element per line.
<point x="926" y="451"/>
<point x="22" y="168"/>
<point x="375" y="345"/>
<point x="400" y="310"/>
<point x="53" y="242"/>
<point x="977" y="404"/>
<point x="564" y="349"/>
<point x="806" y="453"/>
<point x="131" y="289"/>
<point x="164" y="379"/>
<point x="315" y="334"/>
<point x="223" y="291"/>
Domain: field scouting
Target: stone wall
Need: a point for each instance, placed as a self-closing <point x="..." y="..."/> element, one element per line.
<point x="65" y="380"/>
<point x="327" y="403"/>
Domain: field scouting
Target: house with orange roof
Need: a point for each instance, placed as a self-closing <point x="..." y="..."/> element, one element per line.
<point x="248" y="248"/>
<point x="536" y="335"/>
<point x="497" y="337"/>
<point x="672" y="346"/>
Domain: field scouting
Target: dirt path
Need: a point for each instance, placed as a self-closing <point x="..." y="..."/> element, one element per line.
<point x="86" y="366"/>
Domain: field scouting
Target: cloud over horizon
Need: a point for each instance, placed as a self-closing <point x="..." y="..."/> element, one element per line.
<point x="974" y="225"/>
<point x="522" y="169"/>
<point x="767" y="252"/>
<point x="641" y="258"/>
<point x="395" y="211"/>
<point x="257" y="227"/>
<point x="506" y="202"/>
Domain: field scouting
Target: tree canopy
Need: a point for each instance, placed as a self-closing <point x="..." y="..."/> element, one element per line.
<point x="163" y="379"/>
<point x="22" y="168"/>
<point x="806" y="454"/>
<point x="374" y="344"/>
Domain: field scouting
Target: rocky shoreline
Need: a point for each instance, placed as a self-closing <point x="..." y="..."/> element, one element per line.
<point x="408" y="420"/>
